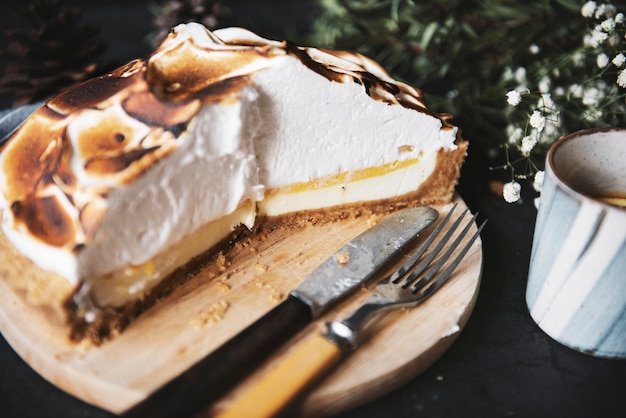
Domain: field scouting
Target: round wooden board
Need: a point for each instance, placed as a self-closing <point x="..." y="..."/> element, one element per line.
<point x="223" y="299"/>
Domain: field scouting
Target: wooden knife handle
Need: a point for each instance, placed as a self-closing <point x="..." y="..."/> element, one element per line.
<point x="287" y="380"/>
<point x="210" y="378"/>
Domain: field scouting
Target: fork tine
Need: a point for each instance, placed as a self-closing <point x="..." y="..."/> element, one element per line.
<point x="412" y="261"/>
<point x="434" y="269"/>
<point x="388" y="295"/>
<point x="454" y="264"/>
<point x="433" y="253"/>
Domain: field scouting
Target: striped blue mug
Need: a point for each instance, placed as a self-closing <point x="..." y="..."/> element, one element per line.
<point x="576" y="289"/>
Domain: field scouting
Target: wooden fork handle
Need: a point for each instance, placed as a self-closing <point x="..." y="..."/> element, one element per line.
<point x="211" y="377"/>
<point x="313" y="359"/>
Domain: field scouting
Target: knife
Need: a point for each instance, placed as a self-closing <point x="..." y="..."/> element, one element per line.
<point x="360" y="259"/>
<point x="12" y="119"/>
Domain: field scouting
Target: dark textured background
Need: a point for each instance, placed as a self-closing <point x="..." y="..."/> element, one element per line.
<point x="502" y="365"/>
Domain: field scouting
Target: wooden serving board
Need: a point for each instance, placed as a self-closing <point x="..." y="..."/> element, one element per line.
<point x="223" y="299"/>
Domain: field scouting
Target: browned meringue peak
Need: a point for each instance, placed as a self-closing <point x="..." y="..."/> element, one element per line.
<point x="183" y="67"/>
<point x="62" y="162"/>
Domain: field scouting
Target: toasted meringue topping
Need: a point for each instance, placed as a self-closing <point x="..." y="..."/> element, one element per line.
<point x="74" y="164"/>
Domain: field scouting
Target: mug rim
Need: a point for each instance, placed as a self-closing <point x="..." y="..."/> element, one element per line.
<point x="564" y="183"/>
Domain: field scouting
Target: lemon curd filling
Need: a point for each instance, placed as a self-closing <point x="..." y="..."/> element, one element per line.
<point x="388" y="180"/>
<point x="347" y="177"/>
<point x="131" y="282"/>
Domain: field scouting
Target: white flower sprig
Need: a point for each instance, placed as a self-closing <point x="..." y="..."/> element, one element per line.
<point x="514" y="97"/>
<point x="582" y="88"/>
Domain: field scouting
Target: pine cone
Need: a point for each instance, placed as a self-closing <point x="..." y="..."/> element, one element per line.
<point x="210" y="13"/>
<point x="54" y="51"/>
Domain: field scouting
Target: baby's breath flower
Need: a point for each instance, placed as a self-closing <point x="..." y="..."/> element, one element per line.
<point x="534" y="49"/>
<point x="619" y="18"/>
<point x="507" y="74"/>
<point x="588" y="9"/>
<point x="528" y="143"/>
<point x="515" y="134"/>
<point x="544" y="84"/>
<point x="575" y="90"/>
<point x="538" y="180"/>
<point x="537" y="121"/>
<point x="608" y="25"/>
<point x="512" y="192"/>
<point x="552" y="131"/>
<point x="546" y="104"/>
<point x="513" y="97"/>
<point x="592" y="115"/>
<point x="602" y="60"/>
<point x="598" y="37"/>
<point x="619" y="60"/>
<point x="591" y="97"/>
<point x="621" y="79"/>
<point x="578" y="58"/>
<point x="520" y="76"/>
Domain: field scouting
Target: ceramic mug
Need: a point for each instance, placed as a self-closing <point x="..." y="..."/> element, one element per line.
<point x="576" y="289"/>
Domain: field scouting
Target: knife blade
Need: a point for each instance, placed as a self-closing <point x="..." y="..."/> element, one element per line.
<point x="11" y="120"/>
<point x="349" y="267"/>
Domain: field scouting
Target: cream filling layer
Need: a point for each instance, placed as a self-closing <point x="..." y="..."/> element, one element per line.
<point x="129" y="283"/>
<point x="374" y="183"/>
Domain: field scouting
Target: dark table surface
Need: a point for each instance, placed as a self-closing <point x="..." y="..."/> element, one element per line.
<point x="501" y="365"/>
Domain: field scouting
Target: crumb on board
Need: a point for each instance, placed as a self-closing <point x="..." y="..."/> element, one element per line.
<point x="262" y="267"/>
<point x="342" y="258"/>
<point x="275" y="296"/>
<point x="373" y="220"/>
<point x="213" y="314"/>
<point x="222" y="263"/>
<point x="223" y="286"/>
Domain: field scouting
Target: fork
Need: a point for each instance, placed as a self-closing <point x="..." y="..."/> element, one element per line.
<point x="411" y="284"/>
